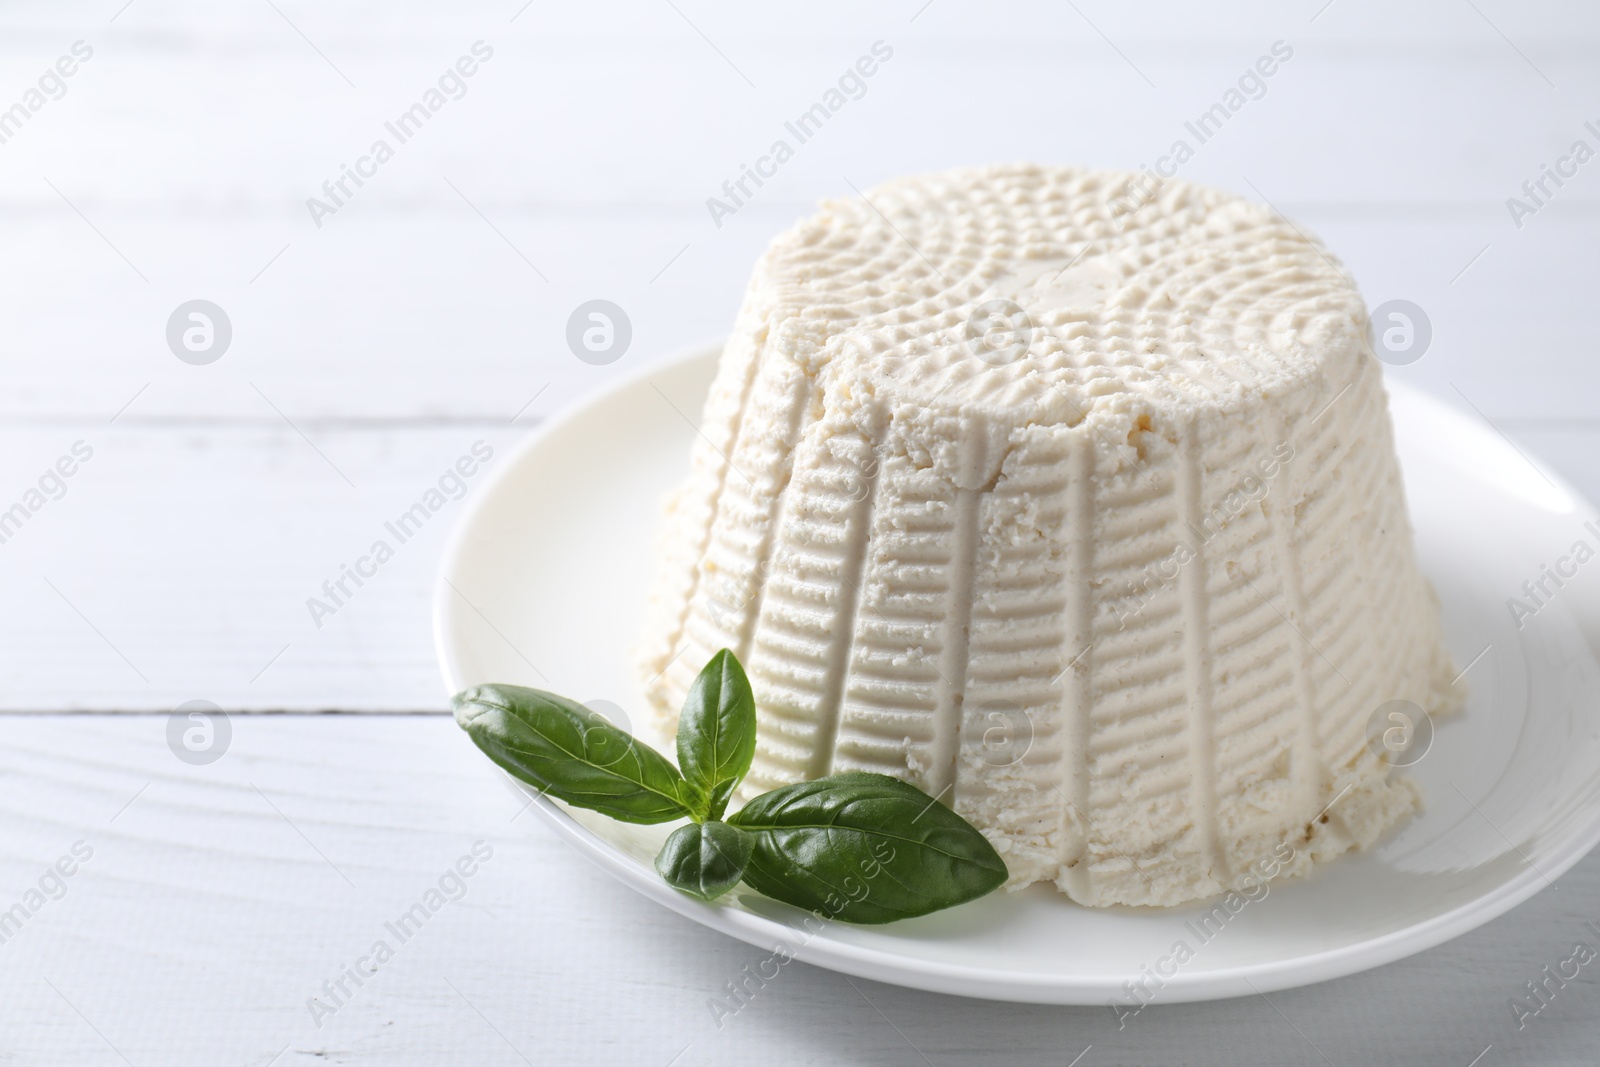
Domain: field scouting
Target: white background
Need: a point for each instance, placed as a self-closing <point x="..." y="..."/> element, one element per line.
<point x="430" y="312"/>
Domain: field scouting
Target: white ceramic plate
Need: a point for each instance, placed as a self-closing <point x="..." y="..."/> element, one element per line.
<point x="543" y="584"/>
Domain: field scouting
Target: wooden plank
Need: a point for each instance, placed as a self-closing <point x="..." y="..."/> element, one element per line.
<point x="561" y="121"/>
<point x="216" y="904"/>
<point x="191" y="141"/>
<point x="179" y="561"/>
<point x="211" y="110"/>
<point x="429" y="316"/>
<point x="178" y="565"/>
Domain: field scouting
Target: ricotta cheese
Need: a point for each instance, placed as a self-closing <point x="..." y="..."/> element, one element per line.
<point x="1085" y="521"/>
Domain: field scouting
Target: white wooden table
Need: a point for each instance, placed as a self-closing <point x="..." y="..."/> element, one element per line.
<point x="428" y="312"/>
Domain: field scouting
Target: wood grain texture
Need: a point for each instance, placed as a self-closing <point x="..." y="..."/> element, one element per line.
<point x="371" y="352"/>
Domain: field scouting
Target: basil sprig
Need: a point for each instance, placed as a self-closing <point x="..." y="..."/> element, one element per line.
<point x="861" y="848"/>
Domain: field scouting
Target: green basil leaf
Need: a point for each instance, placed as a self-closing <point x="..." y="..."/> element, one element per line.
<point x="865" y="848"/>
<point x="705" y="859"/>
<point x="717" y="731"/>
<point x="568" y="751"/>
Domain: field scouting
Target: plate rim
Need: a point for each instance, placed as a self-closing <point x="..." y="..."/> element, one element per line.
<point x="967" y="980"/>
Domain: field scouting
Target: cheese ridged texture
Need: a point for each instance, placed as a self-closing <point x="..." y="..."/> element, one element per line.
<point x="1124" y="592"/>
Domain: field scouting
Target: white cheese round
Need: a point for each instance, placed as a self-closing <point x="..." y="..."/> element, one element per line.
<point x="1070" y="499"/>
